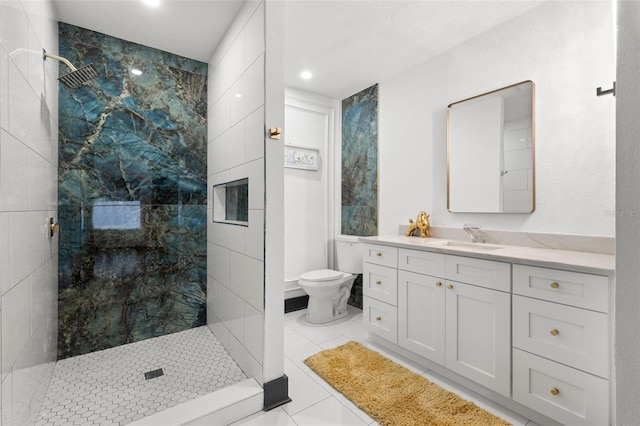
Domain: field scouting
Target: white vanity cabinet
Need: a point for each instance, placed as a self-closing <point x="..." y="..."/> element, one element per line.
<point x="561" y="344"/>
<point x="538" y="336"/>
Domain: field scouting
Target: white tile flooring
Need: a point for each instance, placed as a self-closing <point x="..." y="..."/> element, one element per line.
<point x="109" y="388"/>
<point x="314" y="402"/>
<point x="85" y="391"/>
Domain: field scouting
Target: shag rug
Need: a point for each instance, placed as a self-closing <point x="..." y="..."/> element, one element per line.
<point x="391" y="394"/>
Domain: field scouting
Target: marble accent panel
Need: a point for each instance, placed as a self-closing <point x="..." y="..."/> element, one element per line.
<point x="360" y="163"/>
<point x="132" y="194"/>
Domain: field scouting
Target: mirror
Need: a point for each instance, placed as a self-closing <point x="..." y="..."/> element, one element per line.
<point x="490" y="152"/>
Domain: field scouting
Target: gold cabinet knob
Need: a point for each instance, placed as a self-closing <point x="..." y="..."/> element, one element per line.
<point x="378" y="254"/>
<point x="378" y="318"/>
<point x="555" y="391"/>
<point x="378" y="282"/>
<point x="438" y="284"/>
<point x="554" y="332"/>
<point x="449" y="286"/>
<point x="554" y="285"/>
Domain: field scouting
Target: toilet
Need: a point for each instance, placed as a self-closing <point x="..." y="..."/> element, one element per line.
<point x="329" y="289"/>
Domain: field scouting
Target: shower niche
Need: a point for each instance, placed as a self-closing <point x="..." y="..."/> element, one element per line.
<point x="231" y="202"/>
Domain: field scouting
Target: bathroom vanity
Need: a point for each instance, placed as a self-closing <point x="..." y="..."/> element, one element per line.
<point x="529" y="328"/>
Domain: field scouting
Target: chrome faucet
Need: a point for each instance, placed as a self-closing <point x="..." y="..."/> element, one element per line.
<point x="471" y="230"/>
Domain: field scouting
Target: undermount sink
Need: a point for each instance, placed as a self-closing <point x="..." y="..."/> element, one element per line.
<point x="470" y="246"/>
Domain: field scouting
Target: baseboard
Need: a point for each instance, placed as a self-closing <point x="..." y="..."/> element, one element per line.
<point x="296" y="303"/>
<point x="276" y="393"/>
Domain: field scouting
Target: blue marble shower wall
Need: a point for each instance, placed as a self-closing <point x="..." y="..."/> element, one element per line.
<point x="132" y="194"/>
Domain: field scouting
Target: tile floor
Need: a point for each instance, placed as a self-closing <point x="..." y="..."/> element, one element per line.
<point x="314" y="402"/>
<point x="109" y="387"/>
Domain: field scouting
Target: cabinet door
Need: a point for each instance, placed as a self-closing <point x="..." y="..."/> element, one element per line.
<point x="380" y="282"/>
<point x="380" y="255"/>
<point x="565" y="394"/>
<point x="576" y="337"/>
<point x="421" y="262"/>
<point x="380" y="318"/>
<point x="481" y="272"/>
<point x="478" y="344"/>
<point x="421" y="306"/>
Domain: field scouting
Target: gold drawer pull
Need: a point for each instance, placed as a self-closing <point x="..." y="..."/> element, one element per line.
<point x="449" y="286"/>
<point x="555" y="285"/>
<point x="555" y="391"/>
<point x="378" y="254"/>
<point x="438" y="284"/>
<point x="378" y="282"/>
<point x="378" y="318"/>
<point x="554" y="332"/>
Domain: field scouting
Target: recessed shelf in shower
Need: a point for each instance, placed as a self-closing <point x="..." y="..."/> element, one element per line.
<point x="231" y="202"/>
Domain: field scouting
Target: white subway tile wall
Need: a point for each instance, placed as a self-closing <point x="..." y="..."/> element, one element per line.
<point x="28" y="197"/>
<point x="235" y="265"/>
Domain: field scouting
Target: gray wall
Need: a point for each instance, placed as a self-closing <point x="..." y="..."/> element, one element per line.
<point x="627" y="298"/>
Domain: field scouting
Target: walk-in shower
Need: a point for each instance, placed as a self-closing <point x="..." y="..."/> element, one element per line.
<point x="133" y="338"/>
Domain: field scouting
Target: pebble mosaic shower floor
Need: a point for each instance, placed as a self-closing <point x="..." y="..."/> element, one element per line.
<point x="109" y="387"/>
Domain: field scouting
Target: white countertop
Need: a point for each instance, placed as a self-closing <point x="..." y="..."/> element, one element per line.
<point x="593" y="263"/>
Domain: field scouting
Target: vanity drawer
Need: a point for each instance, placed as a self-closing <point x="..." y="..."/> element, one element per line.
<point x="380" y="282"/>
<point x="570" y="288"/>
<point x="575" y="337"/>
<point x="380" y="318"/>
<point x="421" y="262"/>
<point x="562" y="393"/>
<point x="485" y="273"/>
<point x="381" y="255"/>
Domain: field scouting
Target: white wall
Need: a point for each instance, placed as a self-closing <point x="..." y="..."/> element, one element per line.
<point x="627" y="297"/>
<point x="28" y="197"/>
<point x="309" y="122"/>
<point x="566" y="48"/>
<point x="235" y="254"/>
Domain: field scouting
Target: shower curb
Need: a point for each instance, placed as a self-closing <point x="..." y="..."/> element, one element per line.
<point x="224" y="406"/>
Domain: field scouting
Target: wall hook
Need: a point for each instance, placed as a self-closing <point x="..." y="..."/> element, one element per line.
<point x="600" y="92"/>
<point x="54" y="227"/>
<point x="274" y="132"/>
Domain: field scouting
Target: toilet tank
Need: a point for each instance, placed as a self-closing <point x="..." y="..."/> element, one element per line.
<point x="348" y="254"/>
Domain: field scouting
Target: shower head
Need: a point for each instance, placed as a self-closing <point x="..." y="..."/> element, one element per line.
<point x="77" y="76"/>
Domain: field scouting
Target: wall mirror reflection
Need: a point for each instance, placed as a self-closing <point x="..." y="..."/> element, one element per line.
<point x="490" y="151"/>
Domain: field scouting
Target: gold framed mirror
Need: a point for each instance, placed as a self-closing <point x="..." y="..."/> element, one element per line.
<point x="491" y="151"/>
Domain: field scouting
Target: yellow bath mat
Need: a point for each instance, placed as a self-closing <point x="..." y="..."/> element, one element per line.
<point x="390" y="393"/>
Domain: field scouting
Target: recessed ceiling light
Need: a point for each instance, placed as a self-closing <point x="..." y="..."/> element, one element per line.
<point x="306" y="75"/>
<point x="238" y="95"/>
<point x="136" y="71"/>
<point x="152" y="3"/>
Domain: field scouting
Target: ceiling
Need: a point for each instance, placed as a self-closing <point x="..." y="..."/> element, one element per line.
<point x="348" y="45"/>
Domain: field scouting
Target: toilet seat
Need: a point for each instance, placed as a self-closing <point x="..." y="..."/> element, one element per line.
<point x="321" y="275"/>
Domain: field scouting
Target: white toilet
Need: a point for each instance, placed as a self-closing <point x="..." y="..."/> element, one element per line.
<point x="329" y="290"/>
